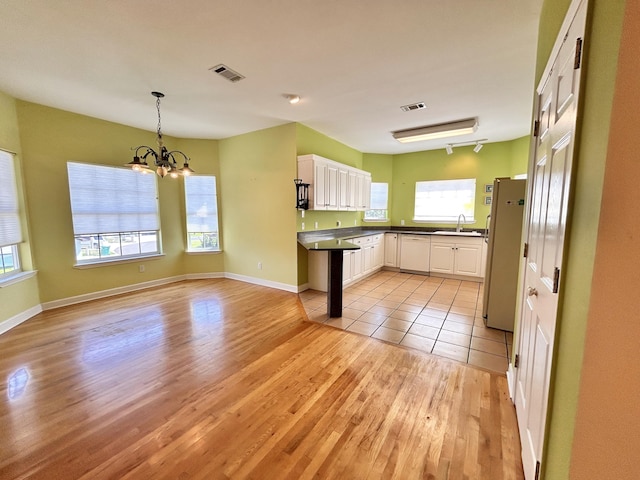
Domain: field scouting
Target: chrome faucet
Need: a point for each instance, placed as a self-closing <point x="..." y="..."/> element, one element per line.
<point x="459" y="226"/>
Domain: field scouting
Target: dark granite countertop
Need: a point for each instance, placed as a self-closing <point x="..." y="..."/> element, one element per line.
<point x="323" y="238"/>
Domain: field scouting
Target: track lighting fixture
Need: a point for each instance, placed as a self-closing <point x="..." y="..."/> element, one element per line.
<point x="478" y="144"/>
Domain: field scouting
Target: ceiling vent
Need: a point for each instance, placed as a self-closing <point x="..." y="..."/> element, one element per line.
<point x="227" y="73"/>
<point x="413" y="106"/>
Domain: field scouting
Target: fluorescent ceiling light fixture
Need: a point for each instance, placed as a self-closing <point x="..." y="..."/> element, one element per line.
<point x="440" y="130"/>
<point x="449" y="149"/>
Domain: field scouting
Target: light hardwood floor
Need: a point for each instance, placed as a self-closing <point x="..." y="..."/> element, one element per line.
<point x="216" y="379"/>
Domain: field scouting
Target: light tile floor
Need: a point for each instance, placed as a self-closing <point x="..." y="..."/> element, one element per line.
<point x="436" y="315"/>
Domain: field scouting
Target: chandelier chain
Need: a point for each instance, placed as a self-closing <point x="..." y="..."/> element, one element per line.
<point x="158" y="108"/>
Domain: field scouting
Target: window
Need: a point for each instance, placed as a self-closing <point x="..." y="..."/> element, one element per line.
<point x="442" y="201"/>
<point x="202" y="213"/>
<point x="115" y="212"/>
<point x="10" y="227"/>
<point x="379" y="203"/>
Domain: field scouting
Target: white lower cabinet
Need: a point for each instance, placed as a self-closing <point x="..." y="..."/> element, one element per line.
<point x="391" y="250"/>
<point x="356" y="264"/>
<point x="415" y="252"/>
<point x="457" y="255"/>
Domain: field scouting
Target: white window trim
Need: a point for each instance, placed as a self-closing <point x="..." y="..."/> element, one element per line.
<point x="106" y="262"/>
<point x="13" y="278"/>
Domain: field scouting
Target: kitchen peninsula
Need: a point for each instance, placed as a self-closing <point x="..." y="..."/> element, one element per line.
<point x="335" y="248"/>
<point x="338" y="257"/>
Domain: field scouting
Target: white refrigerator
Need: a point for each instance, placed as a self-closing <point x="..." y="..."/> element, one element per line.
<point x="504" y="236"/>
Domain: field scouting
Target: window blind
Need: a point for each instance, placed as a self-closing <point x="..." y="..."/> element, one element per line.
<point x="112" y="200"/>
<point x="379" y="196"/>
<point x="444" y="200"/>
<point x="10" y="228"/>
<point x="201" y="203"/>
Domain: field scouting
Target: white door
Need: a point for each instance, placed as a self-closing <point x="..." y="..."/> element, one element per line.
<point x="546" y="224"/>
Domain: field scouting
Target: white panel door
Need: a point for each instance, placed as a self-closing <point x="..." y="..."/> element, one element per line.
<point x="546" y="224"/>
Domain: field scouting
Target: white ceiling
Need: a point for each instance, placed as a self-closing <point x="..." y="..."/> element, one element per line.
<point x="353" y="62"/>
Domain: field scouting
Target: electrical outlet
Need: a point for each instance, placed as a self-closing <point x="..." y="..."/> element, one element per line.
<point x="355" y="223"/>
<point x="141" y="268"/>
<point x="401" y="222"/>
<point x="302" y="225"/>
<point x="259" y="265"/>
<point x="315" y="225"/>
<point x="302" y="213"/>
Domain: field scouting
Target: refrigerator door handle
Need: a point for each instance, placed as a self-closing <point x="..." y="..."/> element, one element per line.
<point x="486" y="229"/>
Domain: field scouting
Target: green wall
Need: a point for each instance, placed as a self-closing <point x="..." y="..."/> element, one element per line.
<point x="381" y="168"/>
<point x="258" y="204"/>
<point x="49" y="139"/>
<point x="600" y="63"/>
<point x="309" y="141"/>
<point x="25" y="295"/>
<point x="494" y="160"/>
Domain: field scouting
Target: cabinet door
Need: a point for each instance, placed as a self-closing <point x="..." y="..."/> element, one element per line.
<point x="367" y="259"/>
<point x="343" y="189"/>
<point x="363" y="191"/>
<point x="378" y="255"/>
<point x="320" y="186"/>
<point x="442" y="257"/>
<point x="468" y="260"/>
<point x="352" y="190"/>
<point x="391" y="249"/>
<point x="346" y="266"/>
<point x="332" y="188"/>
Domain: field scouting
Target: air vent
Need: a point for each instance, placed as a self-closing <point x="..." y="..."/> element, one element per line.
<point x="227" y="73"/>
<point x="413" y="106"/>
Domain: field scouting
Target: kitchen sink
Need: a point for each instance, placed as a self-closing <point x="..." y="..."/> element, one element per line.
<point x="459" y="234"/>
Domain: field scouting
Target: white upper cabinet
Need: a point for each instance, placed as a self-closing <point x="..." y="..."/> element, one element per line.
<point x="333" y="185"/>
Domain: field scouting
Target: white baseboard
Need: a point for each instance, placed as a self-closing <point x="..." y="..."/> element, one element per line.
<point x="19" y="318"/>
<point x="8" y="324"/>
<point x="204" y="276"/>
<point x="63" y="302"/>
<point x="511" y="379"/>
<point x="262" y="282"/>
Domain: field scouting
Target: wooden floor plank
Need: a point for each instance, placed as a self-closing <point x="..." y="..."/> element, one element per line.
<point x="219" y="379"/>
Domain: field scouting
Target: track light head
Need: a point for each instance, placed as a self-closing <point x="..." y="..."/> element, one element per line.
<point x="478" y="147"/>
<point x="449" y="149"/>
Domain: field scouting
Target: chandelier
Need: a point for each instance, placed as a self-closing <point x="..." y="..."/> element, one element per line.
<point x="163" y="159"/>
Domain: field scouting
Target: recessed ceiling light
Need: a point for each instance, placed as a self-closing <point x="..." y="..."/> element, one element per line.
<point x="293" y="99"/>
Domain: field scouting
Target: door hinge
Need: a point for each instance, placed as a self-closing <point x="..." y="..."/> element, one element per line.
<point x="516" y="361"/>
<point x="536" y="128"/>
<point x="525" y="254"/>
<point x="556" y="279"/>
<point x="537" y="475"/>
<point x="578" y="58"/>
